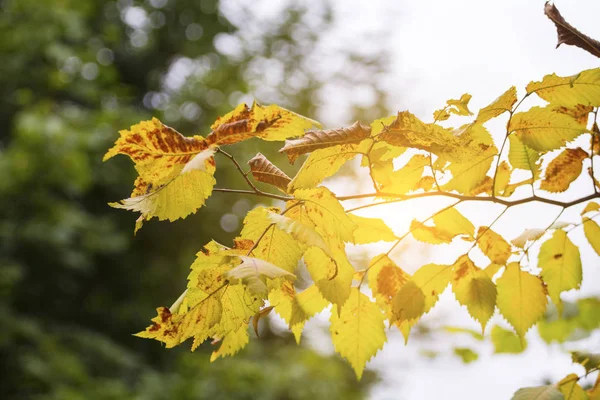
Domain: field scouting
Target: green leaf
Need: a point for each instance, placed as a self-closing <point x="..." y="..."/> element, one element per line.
<point x="466" y="354"/>
<point x="592" y="233"/>
<point x="549" y="392"/>
<point x="505" y="341"/>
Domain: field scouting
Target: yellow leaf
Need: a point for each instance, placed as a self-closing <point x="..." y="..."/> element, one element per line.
<point x="591" y="206"/>
<point x="502" y="180"/>
<point x="333" y="277"/>
<point x="475" y="290"/>
<point x="569" y="387"/>
<point x="173" y="329"/>
<point x="409" y="303"/>
<point x="358" y="332"/>
<point x="265" y="171"/>
<point x="326" y="212"/>
<point x="579" y="112"/>
<point x="370" y="230"/>
<point x="589" y="361"/>
<point x="560" y="263"/>
<point x="315" y="140"/>
<point x="175" y="172"/>
<point x="493" y="245"/>
<point x="158" y="151"/>
<point x="506" y="341"/>
<point x="543" y="129"/>
<point x="253" y="271"/>
<point x="441" y="115"/>
<point x="232" y="343"/>
<point x="466" y="355"/>
<point x="282" y="299"/>
<point x="583" y="88"/>
<point x="301" y="232"/>
<point x="563" y="170"/>
<point x="385" y="280"/>
<point x="471" y="171"/>
<point x="592" y="233"/>
<point x="276" y="246"/>
<point x="323" y="163"/>
<point x="492" y="269"/>
<point x="523" y="157"/>
<point x="499" y="106"/>
<point x="400" y="181"/>
<point x="268" y="123"/>
<point x="460" y="106"/>
<point x="306" y="304"/>
<point x="448" y="224"/>
<point x="521" y="298"/>
<point x="432" y="279"/>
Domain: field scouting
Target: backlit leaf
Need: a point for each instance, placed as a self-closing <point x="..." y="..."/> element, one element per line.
<point x="232" y="343"/>
<point x="543" y="129"/>
<point x="569" y="387"/>
<point x="323" y="163"/>
<point x="265" y="171"/>
<point x="370" y="230"/>
<point x="302" y="233"/>
<point x="306" y="304"/>
<point x="475" y="290"/>
<point x="499" y="106"/>
<point x="563" y="170"/>
<point x="276" y="245"/>
<point x="466" y="354"/>
<point x="588" y="360"/>
<point x="527" y="235"/>
<point x="253" y="271"/>
<point x="358" y="333"/>
<point x="333" y="276"/>
<point x="521" y="298"/>
<point x="314" y="140"/>
<point x="460" y="106"/>
<point x="592" y="233"/>
<point x="560" y="263"/>
<point x="432" y="279"/>
<point x="265" y="122"/>
<point x="447" y="225"/>
<point x="591" y="206"/>
<point x="522" y="156"/>
<point x="402" y="180"/>
<point x="505" y="341"/>
<point x="409" y="303"/>
<point x="493" y="245"/>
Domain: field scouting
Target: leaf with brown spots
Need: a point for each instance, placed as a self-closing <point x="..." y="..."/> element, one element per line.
<point x="563" y="170"/>
<point x="493" y="245"/>
<point x="568" y="34"/>
<point x="272" y="123"/>
<point x="265" y="171"/>
<point x="314" y="140"/>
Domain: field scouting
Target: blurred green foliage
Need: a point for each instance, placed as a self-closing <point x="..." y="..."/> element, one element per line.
<point x="74" y="281"/>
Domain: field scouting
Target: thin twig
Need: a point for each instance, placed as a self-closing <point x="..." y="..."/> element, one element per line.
<point x="251" y="192"/>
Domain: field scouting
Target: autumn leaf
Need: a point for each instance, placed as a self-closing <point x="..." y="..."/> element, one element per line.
<point x="499" y="106"/>
<point x="522" y="156"/>
<point x="447" y="225"/>
<point x="370" y="230"/>
<point x="560" y="263"/>
<point x="175" y="172"/>
<point x="505" y="341"/>
<point x="265" y="171"/>
<point x="528" y="235"/>
<point x="253" y="271"/>
<point x="568" y="34"/>
<point x="314" y="140"/>
<point x="232" y="343"/>
<point x="306" y="304"/>
<point x="432" y="279"/>
<point x="276" y="245"/>
<point x="302" y="233"/>
<point x="570" y="389"/>
<point x="358" y="332"/>
<point x="563" y="170"/>
<point x="544" y="129"/>
<point x="268" y="123"/>
<point x="460" y="106"/>
<point x="549" y="392"/>
<point x="592" y="233"/>
<point x="521" y="298"/>
<point x="400" y="181"/>
<point x="474" y="289"/>
<point x="493" y="245"/>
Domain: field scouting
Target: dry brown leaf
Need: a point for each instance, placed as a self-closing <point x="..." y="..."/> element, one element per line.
<point x="265" y="171"/>
<point x="314" y="140"/>
<point x="567" y="33"/>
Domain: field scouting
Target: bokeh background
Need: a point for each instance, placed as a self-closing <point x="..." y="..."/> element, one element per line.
<point x="75" y="283"/>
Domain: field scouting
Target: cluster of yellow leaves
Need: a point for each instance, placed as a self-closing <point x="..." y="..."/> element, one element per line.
<point x="231" y="287"/>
